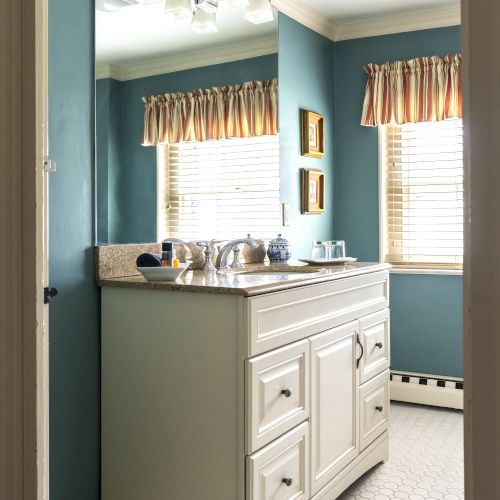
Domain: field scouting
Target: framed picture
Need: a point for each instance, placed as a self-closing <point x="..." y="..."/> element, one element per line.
<point x="313" y="134"/>
<point x="313" y="191"/>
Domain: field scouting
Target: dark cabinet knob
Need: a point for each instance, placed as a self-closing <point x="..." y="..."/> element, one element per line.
<point x="287" y="480"/>
<point x="379" y="345"/>
<point x="379" y="408"/>
<point x="286" y="392"/>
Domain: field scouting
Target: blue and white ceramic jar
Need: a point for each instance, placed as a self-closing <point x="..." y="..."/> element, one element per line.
<point x="279" y="250"/>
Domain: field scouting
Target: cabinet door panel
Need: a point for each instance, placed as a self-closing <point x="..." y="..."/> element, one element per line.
<point x="277" y="393"/>
<point x="334" y="406"/>
<point x="374" y="409"/>
<point x="280" y="471"/>
<point x="374" y="335"/>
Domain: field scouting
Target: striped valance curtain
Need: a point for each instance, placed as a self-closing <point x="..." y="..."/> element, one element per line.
<point x="420" y="90"/>
<point x="235" y="111"/>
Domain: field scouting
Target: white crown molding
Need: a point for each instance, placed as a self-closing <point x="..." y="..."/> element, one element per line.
<point x="108" y="71"/>
<point x="189" y="60"/>
<point x="411" y="21"/>
<point x="307" y="16"/>
<point x="433" y="18"/>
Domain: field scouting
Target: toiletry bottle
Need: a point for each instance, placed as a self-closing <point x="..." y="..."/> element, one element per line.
<point x="167" y="254"/>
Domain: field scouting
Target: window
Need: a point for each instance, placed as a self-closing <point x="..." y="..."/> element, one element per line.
<point x="220" y="189"/>
<point x="422" y="194"/>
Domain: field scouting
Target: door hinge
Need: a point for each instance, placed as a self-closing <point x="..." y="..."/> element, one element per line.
<point x="49" y="165"/>
<point x="48" y="294"/>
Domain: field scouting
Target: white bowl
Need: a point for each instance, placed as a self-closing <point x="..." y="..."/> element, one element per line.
<point x="163" y="273"/>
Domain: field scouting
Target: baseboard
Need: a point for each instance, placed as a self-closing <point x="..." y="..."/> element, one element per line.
<point x="427" y="390"/>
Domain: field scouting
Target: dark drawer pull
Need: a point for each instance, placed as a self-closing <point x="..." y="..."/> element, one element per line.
<point x="287" y="480"/>
<point x="379" y="345"/>
<point x="286" y="392"/>
<point x="379" y="408"/>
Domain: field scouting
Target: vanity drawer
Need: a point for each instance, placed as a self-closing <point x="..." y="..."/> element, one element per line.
<point x="277" y="393"/>
<point x="375" y="339"/>
<point x="280" y="471"/>
<point x="374" y="409"/>
<point x="276" y="319"/>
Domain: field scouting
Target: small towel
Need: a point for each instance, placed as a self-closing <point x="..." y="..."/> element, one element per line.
<point x="149" y="260"/>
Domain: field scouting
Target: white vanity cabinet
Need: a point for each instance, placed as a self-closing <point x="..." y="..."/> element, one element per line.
<point x="276" y="396"/>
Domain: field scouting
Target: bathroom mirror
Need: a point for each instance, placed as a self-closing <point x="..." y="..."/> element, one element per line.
<point x="152" y="48"/>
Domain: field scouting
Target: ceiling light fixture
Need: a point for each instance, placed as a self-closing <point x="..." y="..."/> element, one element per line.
<point x="179" y="9"/>
<point x="259" y="12"/>
<point x="206" y="5"/>
<point x="204" y="22"/>
<point x="113" y="5"/>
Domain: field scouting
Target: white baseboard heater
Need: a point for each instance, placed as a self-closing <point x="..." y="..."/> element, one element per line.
<point x="427" y="390"/>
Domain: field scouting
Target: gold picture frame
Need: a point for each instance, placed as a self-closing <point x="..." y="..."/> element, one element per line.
<point x="312" y="134"/>
<point x="313" y="191"/>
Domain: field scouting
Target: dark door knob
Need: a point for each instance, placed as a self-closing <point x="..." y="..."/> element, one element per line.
<point x="286" y="392"/>
<point x="287" y="480"/>
<point x="49" y="294"/>
<point x="379" y="345"/>
<point x="379" y="408"/>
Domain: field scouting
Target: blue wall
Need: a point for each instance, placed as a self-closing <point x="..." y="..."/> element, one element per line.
<point x="74" y="314"/>
<point x="131" y="194"/>
<point x="426" y="314"/>
<point x="306" y="74"/>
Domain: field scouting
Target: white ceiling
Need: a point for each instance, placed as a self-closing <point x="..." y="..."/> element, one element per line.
<point x="143" y="35"/>
<point x="145" y="32"/>
<point x="352" y="11"/>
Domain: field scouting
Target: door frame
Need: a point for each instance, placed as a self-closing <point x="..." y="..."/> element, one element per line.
<point x="23" y="316"/>
<point x="481" y="46"/>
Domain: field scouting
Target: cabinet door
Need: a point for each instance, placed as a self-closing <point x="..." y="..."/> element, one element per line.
<point x="334" y="405"/>
<point x="374" y="336"/>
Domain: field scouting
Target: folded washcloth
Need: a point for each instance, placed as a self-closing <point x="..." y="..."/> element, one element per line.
<point x="149" y="260"/>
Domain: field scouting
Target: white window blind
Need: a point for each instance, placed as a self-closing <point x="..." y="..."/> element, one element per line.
<point x="423" y="194"/>
<point x="221" y="189"/>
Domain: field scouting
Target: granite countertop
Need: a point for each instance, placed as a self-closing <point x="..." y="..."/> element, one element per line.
<point x="237" y="282"/>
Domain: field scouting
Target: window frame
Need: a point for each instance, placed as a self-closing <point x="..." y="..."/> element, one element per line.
<point x="430" y="269"/>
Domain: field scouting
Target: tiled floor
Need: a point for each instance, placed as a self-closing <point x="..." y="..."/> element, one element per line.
<point x="426" y="458"/>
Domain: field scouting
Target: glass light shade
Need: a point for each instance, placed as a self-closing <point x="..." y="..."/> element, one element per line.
<point x="208" y="5"/>
<point x="113" y="5"/>
<point x="204" y="22"/>
<point x="179" y="9"/>
<point x="259" y="12"/>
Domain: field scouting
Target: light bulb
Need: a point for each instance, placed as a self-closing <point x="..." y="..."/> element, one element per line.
<point x="178" y="9"/>
<point x="259" y="12"/>
<point x="204" y="22"/>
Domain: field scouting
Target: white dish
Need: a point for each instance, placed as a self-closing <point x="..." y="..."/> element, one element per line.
<point x="323" y="261"/>
<point x="163" y="273"/>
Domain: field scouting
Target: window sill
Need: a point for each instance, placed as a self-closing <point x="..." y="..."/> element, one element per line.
<point x="437" y="272"/>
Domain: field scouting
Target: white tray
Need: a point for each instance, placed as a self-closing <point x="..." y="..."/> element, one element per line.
<point x="323" y="261"/>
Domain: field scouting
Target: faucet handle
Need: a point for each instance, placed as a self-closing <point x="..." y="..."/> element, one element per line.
<point x="209" y="251"/>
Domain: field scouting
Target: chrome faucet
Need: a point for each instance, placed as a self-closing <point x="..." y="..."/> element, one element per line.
<point x="221" y="262"/>
<point x="209" y="247"/>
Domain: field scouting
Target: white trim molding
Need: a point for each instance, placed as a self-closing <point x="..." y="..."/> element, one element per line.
<point x="303" y="14"/>
<point x="335" y="31"/>
<point x="189" y="60"/>
<point x="411" y="21"/>
<point x="432" y="390"/>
